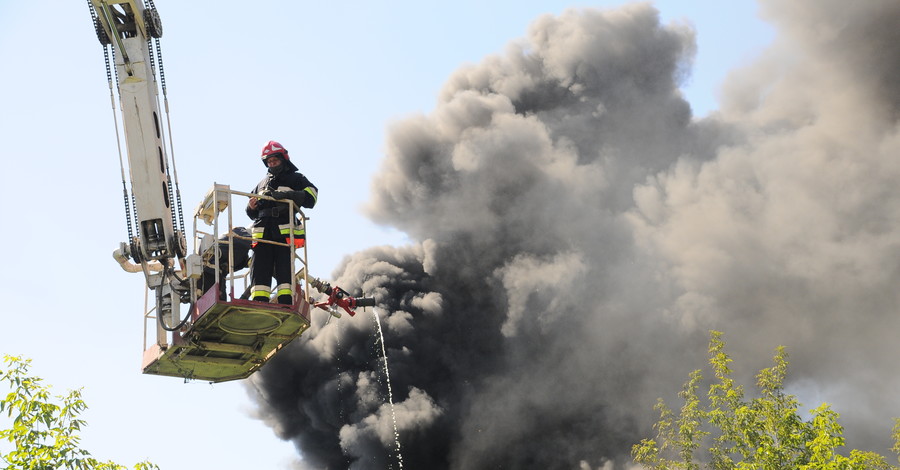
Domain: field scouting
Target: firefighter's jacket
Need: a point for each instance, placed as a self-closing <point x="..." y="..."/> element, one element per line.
<point x="272" y="220"/>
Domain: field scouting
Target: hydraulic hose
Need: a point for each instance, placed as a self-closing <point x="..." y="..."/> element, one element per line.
<point x="162" y="323"/>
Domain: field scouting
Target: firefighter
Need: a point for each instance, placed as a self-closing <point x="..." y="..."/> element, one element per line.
<point x="272" y="222"/>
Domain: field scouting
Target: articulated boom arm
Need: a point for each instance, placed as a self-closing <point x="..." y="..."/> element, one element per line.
<point x="128" y="27"/>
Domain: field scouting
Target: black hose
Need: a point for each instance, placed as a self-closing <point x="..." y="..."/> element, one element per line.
<point x="176" y="277"/>
<point x="178" y="327"/>
<point x="159" y="316"/>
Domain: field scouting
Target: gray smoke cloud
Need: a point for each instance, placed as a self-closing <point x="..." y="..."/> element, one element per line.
<point x="577" y="233"/>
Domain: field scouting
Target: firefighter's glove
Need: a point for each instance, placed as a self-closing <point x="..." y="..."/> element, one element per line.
<point x="281" y="194"/>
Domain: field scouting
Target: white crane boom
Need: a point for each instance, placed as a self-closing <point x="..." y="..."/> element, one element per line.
<point x="129" y="26"/>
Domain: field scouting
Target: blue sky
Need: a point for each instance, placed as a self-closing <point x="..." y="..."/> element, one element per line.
<point x="324" y="79"/>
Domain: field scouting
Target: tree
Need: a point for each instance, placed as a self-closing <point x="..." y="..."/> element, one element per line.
<point x="764" y="433"/>
<point x="44" y="431"/>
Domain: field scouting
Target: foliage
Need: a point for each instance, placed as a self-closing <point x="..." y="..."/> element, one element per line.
<point x="764" y="433"/>
<point x="45" y="429"/>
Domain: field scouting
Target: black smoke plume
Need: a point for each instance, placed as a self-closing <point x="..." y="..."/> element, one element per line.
<point x="577" y="232"/>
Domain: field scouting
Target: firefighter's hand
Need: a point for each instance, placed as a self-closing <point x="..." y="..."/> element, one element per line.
<point x="280" y="194"/>
<point x="253" y="202"/>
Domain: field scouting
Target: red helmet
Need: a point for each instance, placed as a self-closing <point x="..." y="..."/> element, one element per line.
<point x="273" y="148"/>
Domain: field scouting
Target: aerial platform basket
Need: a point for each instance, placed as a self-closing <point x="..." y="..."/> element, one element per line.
<point x="222" y="339"/>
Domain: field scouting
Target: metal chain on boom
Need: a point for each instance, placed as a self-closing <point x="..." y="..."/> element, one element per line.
<point x="109" y="79"/>
<point x="137" y="226"/>
<point x="179" y="211"/>
<point x="125" y="197"/>
<point x="162" y="81"/>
